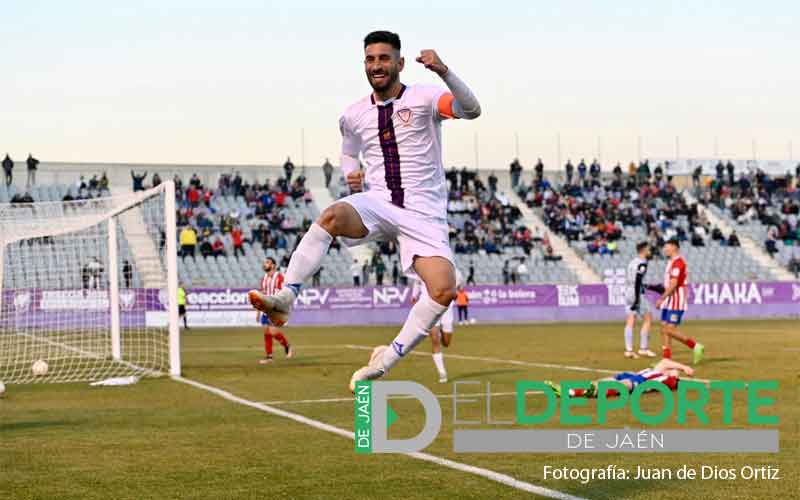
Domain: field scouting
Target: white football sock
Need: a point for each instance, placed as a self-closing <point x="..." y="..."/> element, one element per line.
<point x="644" y="339"/>
<point x="425" y="313"/>
<point x="438" y="360"/>
<point x="628" y="338"/>
<point x="308" y="257"/>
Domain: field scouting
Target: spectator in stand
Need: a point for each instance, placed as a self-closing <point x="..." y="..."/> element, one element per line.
<point x="733" y="240"/>
<point x="188" y="239"/>
<point x="582" y="170"/>
<point x="8" y="169"/>
<point x="156" y="179"/>
<point x="355" y="271"/>
<point x="218" y="247"/>
<point x="288" y="169"/>
<point x="238" y="241"/>
<point x="104" y="182"/>
<point x="493" y="183"/>
<point x="522" y="271"/>
<point x="515" y="169"/>
<point x="506" y="273"/>
<point x="720" y="168"/>
<point x="696" y="174"/>
<point x="731" y="172"/>
<point x="643" y="172"/>
<point x="33" y="165"/>
<point x="595" y="170"/>
<point x="618" y="172"/>
<point x="178" y="186"/>
<point x="327" y="169"/>
<point x="95" y="270"/>
<point x="366" y="270"/>
<point x="794" y="260"/>
<point x="539" y="170"/>
<point x="569" y="171"/>
<point x="127" y="273"/>
<point x="771" y="242"/>
<point x="206" y="250"/>
<point x="471" y="274"/>
<point x="138" y="180"/>
<point x="549" y="254"/>
<point x="380" y="269"/>
<point x="395" y="273"/>
<point x="193" y="195"/>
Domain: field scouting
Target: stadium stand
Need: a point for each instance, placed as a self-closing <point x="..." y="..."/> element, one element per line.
<point x="240" y="221"/>
<point x="761" y="207"/>
<point x="604" y="218"/>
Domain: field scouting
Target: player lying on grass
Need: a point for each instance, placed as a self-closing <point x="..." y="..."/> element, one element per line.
<point x="396" y="131"/>
<point x="674" y="296"/>
<point x="442" y="331"/>
<point x="666" y="371"/>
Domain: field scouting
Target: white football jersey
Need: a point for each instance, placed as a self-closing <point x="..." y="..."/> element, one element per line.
<point x="400" y="142"/>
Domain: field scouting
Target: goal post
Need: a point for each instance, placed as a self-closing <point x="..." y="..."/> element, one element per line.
<point x="90" y="287"/>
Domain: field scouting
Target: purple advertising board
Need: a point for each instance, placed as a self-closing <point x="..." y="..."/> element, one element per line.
<point x="388" y="304"/>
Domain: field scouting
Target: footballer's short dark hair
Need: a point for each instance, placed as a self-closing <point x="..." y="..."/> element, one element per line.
<point x="271" y="260"/>
<point x="392" y="39"/>
<point x="674" y="242"/>
<point x="641" y="246"/>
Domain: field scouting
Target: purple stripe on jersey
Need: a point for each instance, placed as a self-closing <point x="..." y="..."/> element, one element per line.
<point x="391" y="155"/>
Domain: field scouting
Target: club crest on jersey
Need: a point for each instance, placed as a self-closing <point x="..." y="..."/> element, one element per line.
<point x="404" y="114"/>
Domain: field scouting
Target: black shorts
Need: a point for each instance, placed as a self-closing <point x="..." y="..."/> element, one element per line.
<point x="181" y="310"/>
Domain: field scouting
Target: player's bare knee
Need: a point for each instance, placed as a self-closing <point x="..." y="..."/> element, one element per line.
<point x="443" y="295"/>
<point x="327" y="219"/>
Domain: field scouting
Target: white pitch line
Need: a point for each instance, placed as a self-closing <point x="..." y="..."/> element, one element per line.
<point x="258" y="347"/>
<point x="350" y="399"/>
<point x="478" y="471"/>
<point x="503" y="361"/>
<point x="524" y="363"/>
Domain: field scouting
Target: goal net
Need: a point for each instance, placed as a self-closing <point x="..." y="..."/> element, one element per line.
<point x="89" y="287"/>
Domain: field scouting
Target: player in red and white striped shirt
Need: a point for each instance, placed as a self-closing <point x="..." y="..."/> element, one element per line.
<point x="271" y="283"/>
<point x="666" y="371"/>
<point x="673" y="302"/>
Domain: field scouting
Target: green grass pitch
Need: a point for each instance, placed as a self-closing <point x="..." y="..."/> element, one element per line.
<point x="163" y="439"/>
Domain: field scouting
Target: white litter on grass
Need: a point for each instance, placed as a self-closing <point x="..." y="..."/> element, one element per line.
<point x="116" y="381"/>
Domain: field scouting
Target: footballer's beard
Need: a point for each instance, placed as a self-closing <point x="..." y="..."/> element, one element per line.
<point x="382" y="80"/>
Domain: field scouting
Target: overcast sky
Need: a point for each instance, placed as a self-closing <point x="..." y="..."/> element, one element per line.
<point x="235" y="82"/>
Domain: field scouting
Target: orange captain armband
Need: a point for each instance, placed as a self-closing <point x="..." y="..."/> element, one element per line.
<point x="445" y="105"/>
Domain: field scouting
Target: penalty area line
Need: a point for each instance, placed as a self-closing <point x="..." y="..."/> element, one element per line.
<point x="471" y="469"/>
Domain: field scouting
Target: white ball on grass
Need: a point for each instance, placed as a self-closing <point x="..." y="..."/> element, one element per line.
<point x="472" y="321"/>
<point x="39" y="368"/>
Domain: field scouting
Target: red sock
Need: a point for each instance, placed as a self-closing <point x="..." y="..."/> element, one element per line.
<point x="690" y="343"/>
<point x="268" y="343"/>
<point x="578" y="392"/>
<point x="612" y="393"/>
<point x="667" y="352"/>
<point x="279" y="336"/>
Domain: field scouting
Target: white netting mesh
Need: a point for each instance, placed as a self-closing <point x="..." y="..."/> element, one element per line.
<point x="57" y="289"/>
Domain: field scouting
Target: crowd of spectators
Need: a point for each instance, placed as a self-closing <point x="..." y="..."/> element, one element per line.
<point x="754" y="195"/>
<point x="261" y="220"/>
<point x="592" y="210"/>
<point x="481" y="218"/>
